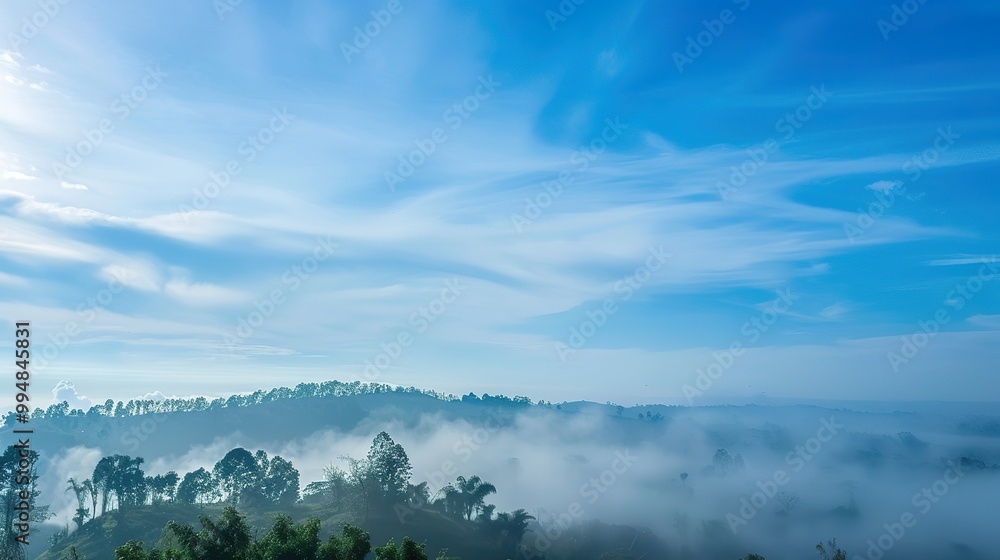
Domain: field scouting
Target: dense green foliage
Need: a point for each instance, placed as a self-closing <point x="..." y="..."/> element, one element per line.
<point x="377" y="484"/>
<point x="229" y="538"/>
<point x="118" y="482"/>
<point x="10" y="499"/>
<point x="409" y="550"/>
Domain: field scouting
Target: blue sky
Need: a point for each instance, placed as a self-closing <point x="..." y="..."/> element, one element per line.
<point x="201" y="198"/>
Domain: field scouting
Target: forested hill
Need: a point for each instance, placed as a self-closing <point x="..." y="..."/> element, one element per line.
<point x="173" y="426"/>
<point x="135" y="407"/>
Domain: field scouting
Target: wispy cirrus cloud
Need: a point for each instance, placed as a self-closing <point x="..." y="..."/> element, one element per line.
<point x="964" y="259"/>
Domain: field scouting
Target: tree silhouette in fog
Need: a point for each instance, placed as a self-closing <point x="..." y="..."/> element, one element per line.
<point x="468" y="494"/>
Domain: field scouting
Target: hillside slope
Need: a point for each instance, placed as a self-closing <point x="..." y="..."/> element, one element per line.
<point x="466" y="540"/>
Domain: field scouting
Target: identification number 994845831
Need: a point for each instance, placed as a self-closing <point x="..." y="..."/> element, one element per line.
<point x="22" y="357"/>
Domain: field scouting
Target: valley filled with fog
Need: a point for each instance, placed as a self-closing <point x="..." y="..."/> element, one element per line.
<point x="903" y="481"/>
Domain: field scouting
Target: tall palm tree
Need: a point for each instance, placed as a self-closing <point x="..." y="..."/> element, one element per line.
<point x="473" y="492"/>
<point x="512" y="526"/>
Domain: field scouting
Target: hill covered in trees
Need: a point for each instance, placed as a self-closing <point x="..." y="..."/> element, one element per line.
<point x="136" y="407"/>
<point x="376" y="492"/>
